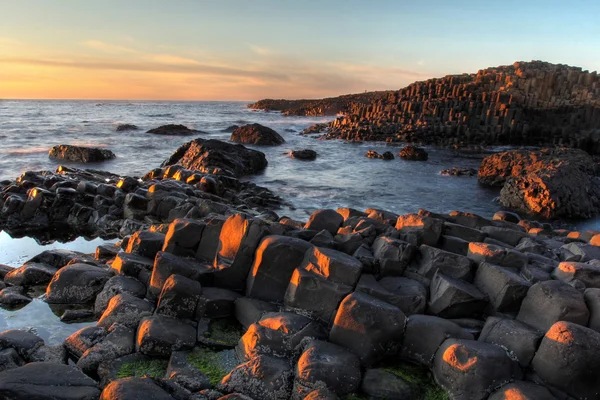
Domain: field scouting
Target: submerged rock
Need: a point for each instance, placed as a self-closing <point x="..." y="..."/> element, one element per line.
<point x="80" y="154"/>
<point x="126" y="127"/>
<point x="256" y="134"/>
<point x="413" y="153"/>
<point x="305" y="154"/>
<point x="173" y="130"/>
<point x="388" y="155"/>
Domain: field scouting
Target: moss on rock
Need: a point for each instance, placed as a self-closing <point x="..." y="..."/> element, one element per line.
<point x="152" y="368"/>
<point x="208" y="362"/>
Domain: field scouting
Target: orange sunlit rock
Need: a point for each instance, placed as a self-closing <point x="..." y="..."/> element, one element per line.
<point x="483" y="249"/>
<point x="514" y="394"/>
<point x="406" y="220"/>
<point x="560" y="332"/>
<point x="567" y="267"/>
<point x="458" y="357"/>
<point x="231" y="236"/>
<point x="595" y="240"/>
<point x="277" y="323"/>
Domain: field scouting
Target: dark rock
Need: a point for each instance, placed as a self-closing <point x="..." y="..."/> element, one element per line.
<point x="24" y="342"/>
<point x="368" y="327"/>
<point x="179" y="297"/>
<point x="117" y="285"/>
<point x="568" y="358"/>
<point x="55" y="354"/>
<point x="9" y="359"/>
<point x="256" y="134"/>
<point x="432" y="260"/>
<point x="126" y="127"/>
<point x="388" y="155"/>
<point x="381" y="384"/>
<point x="134" y="389"/>
<point x="80" y="341"/>
<point x="183" y="237"/>
<point x="453" y="298"/>
<point x="125" y="309"/>
<point x="515" y="336"/>
<point x="40" y="380"/>
<point x="230" y="128"/>
<point x="249" y="311"/>
<point x="76" y="284"/>
<point x="592" y="300"/>
<point x="504" y="288"/>
<point x="119" y="342"/>
<point x="173" y="130"/>
<point x="493" y="254"/>
<point x="326" y="219"/>
<point x="305" y="154"/>
<point x="184" y="373"/>
<point x="146" y="243"/>
<point x="471" y="370"/>
<point x="159" y="336"/>
<point x="522" y="390"/>
<point x="586" y="273"/>
<point x="30" y="274"/>
<point x="216" y="303"/>
<point x="167" y="264"/>
<point x="459" y="172"/>
<point x="80" y="154"/>
<point x="393" y="255"/>
<point x="413" y="153"/>
<point x="428" y="230"/>
<point x="131" y="264"/>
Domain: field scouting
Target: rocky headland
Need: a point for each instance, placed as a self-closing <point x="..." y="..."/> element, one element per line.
<point x="527" y="103"/>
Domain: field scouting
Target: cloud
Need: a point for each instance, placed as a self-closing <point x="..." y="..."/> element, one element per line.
<point x="108" y="47"/>
<point x="263" y="51"/>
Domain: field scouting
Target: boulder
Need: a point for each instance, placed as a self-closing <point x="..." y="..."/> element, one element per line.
<point x="322" y="363"/>
<point x="179" y="297"/>
<point x="393" y="255"/>
<point x="13" y="296"/>
<point x="41" y="380"/>
<point x="413" y="153"/>
<point x="22" y="341"/>
<point x="216" y="303"/>
<point x="173" y="130"/>
<point x="592" y="301"/>
<point x="126" y="127"/>
<point x="183" y="237"/>
<point x="117" y="285"/>
<point x="522" y="390"/>
<point x="209" y="242"/>
<point x="382" y="384"/>
<point x="263" y="377"/>
<point x="388" y="155"/>
<point x="424" y="334"/>
<point x="588" y="274"/>
<point x="80" y="341"/>
<point x="498" y="255"/>
<point x="432" y="260"/>
<point x="551" y="301"/>
<point x="584" y="252"/>
<point x="249" y="311"/>
<point x="326" y="219"/>
<point x="505" y="235"/>
<point x="145" y="243"/>
<point x="30" y="274"/>
<point x="167" y="264"/>
<point x="504" y="288"/>
<point x="119" y="342"/>
<point x="80" y="154"/>
<point x="471" y="370"/>
<point x="131" y="264"/>
<point x="158" y="336"/>
<point x="518" y="338"/>
<point x="256" y="134"/>
<point x="274" y="263"/>
<point x="368" y="327"/>
<point x="182" y="372"/>
<point x="76" y="284"/>
<point x="427" y="229"/>
<point x="216" y="156"/>
<point x="454" y="298"/>
<point x="134" y="388"/>
<point x="9" y="359"/>
<point x="305" y="154"/>
<point x="569" y="358"/>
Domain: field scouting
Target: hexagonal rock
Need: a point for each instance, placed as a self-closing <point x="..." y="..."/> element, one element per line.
<point x="183" y="237"/>
<point x="131" y="264"/>
<point x="145" y="243"/>
<point x="126" y="310"/>
<point x="382" y="384"/>
<point x="569" y="358"/>
<point x="319" y="394"/>
<point x="276" y="259"/>
<point x="584" y="251"/>
<point x="326" y="363"/>
<point x="116" y="285"/>
<point x="119" y="342"/>
<point x="505" y="235"/>
<point x="249" y="311"/>
<point x="167" y="264"/>
<point x="522" y="390"/>
<point x="186" y="374"/>
<point x="326" y="219"/>
<point x="551" y="301"/>
<point x="454" y="298"/>
<point x="471" y="370"/>
<point x="209" y="242"/>
<point x="368" y="327"/>
<point x="46" y="380"/>
<point x="568" y="271"/>
<point x="22" y="341"/>
<point x="497" y="255"/>
<point x="393" y="255"/>
<point x="424" y="334"/>
<point x="30" y="274"/>
<point x="76" y="284"/>
<point x="454" y="245"/>
<point x="83" y="339"/>
<point x="263" y="377"/>
<point x="463" y="232"/>
<point x="504" y="288"/>
<point x="311" y="292"/>
<point x="134" y="388"/>
<point x="159" y="336"/>
<point x="453" y="265"/>
<point x="427" y="229"/>
<point x="238" y="240"/>
<point x="179" y="297"/>
<point x="592" y="300"/>
<point x="216" y="303"/>
<point x="332" y="265"/>
<point x="517" y="337"/>
<point x="58" y="258"/>
<point x="278" y="334"/>
<point x="350" y="212"/>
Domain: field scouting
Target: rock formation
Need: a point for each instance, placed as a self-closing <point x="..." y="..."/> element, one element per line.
<point x="553" y="183"/>
<point x="493" y="309"/>
<point x="126" y="127"/>
<point x="256" y="134"/>
<point x="173" y="130"/>
<point x="80" y="154"/>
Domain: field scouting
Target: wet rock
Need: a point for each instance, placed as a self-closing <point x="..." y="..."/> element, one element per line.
<point x="515" y="336"/>
<point x="179" y="297"/>
<point x="305" y="154"/>
<point x="54" y="354"/>
<point x="325" y="363"/>
<point x="368" y="327"/>
<point x="30" y="274"/>
<point x="9" y="359"/>
<point x="80" y="154"/>
<point x="106" y="252"/>
<point x="126" y="127"/>
<point x="173" y="130"/>
<point x="424" y="334"/>
<point x="413" y="153"/>
<point x="256" y="134"/>
<point x="263" y="377"/>
<point x="471" y="370"/>
<point x="276" y="259"/>
<point x="159" y="336"/>
<point x="55" y="381"/>
<point x="76" y="284"/>
<point x="58" y="258"/>
<point x="22" y="341"/>
<point x="551" y="301"/>
<point x="568" y="358"/>
<point x="459" y="172"/>
<point x="125" y="309"/>
<point x="381" y="384"/>
<point x="326" y="219"/>
<point x="134" y="389"/>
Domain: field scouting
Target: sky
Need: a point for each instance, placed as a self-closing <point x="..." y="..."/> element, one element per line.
<point x="248" y="50"/>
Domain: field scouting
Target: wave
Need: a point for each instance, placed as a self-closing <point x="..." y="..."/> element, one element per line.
<point x="168" y="115"/>
<point x="32" y="150"/>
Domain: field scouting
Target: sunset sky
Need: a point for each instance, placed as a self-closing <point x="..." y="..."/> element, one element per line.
<point x="247" y="50"/>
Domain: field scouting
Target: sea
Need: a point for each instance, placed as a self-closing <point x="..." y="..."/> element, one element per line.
<point x="341" y="176"/>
